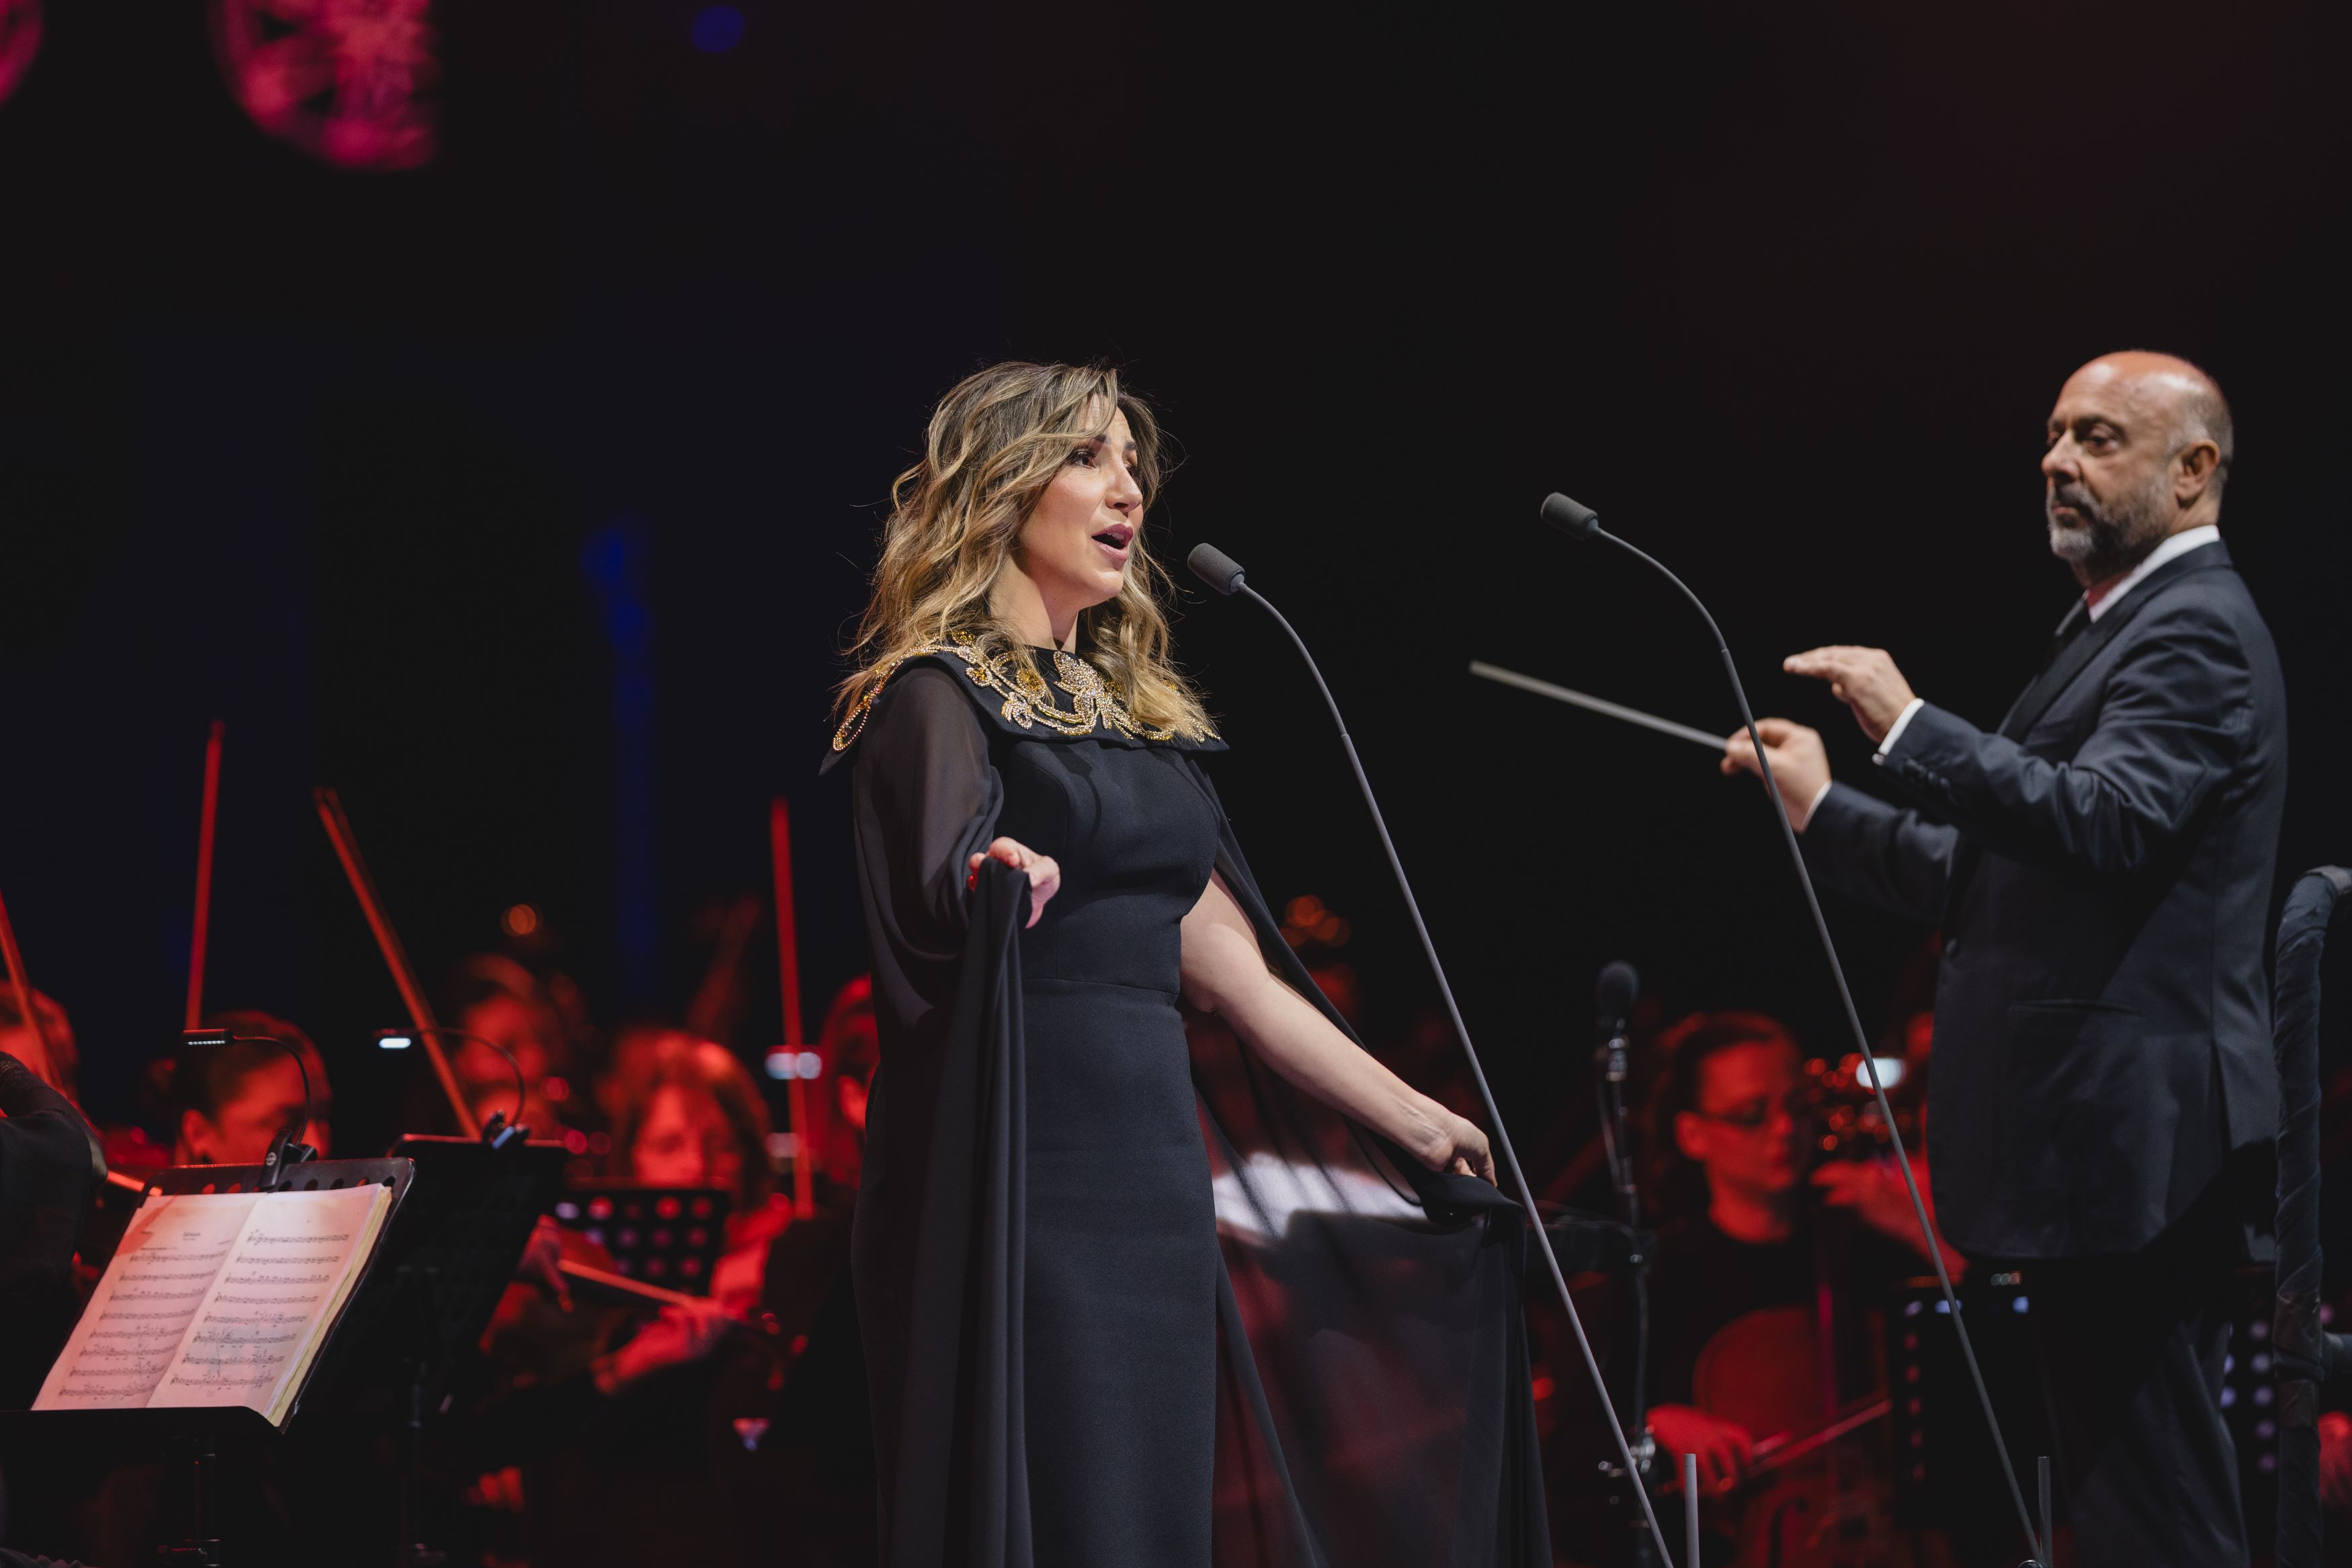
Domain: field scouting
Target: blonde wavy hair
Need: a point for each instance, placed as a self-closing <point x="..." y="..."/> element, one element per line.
<point x="995" y="442"/>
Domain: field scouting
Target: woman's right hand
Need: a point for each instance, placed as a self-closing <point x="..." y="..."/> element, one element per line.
<point x="1722" y="1448"/>
<point x="1045" y="873"/>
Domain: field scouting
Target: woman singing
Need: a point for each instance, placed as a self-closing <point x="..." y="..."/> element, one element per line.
<point x="1049" y="881"/>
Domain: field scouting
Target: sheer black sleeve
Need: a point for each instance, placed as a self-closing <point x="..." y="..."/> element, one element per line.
<point x="926" y="800"/>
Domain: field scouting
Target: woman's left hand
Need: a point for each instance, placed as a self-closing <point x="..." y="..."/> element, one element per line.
<point x="1458" y="1146"/>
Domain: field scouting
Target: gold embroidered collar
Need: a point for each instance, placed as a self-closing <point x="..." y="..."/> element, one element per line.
<point x="1096" y="705"/>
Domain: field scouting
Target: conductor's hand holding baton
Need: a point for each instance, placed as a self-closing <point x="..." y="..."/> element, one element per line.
<point x="1865" y="680"/>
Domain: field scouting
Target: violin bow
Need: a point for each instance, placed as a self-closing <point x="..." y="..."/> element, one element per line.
<point x="200" y="929"/>
<point x="788" y="965"/>
<point x="428" y="1031"/>
<point x="396" y="956"/>
<point x="1785" y="1447"/>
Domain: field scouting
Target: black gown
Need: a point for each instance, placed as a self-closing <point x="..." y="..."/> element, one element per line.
<point x="1061" y="1368"/>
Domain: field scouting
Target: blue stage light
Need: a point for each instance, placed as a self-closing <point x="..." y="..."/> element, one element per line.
<point x="718" y="29"/>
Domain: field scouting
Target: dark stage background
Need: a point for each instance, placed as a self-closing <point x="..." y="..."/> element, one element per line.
<point x="527" y="497"/>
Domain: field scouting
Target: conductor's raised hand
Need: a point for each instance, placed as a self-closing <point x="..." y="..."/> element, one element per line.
<point x="1800" y="765"/>
<point x="1044" y="872"/>
<point x="1864" y="679"/>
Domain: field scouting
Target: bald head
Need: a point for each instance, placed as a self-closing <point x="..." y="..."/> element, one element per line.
<point x="2180" y="395"/>
<point x="2139" y="448"/>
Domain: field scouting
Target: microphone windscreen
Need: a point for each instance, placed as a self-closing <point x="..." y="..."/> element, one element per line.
<point x="1613" y="997"/>
<point x="1573" y="519"/>
<point x="1215" y="567"/>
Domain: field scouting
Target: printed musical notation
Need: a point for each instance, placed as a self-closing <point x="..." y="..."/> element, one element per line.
<point x="217" y="1298"/>
<point x="132" y="1330"/>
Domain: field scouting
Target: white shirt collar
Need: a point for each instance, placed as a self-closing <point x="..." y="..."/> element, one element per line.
<point x="2179" y="544"/>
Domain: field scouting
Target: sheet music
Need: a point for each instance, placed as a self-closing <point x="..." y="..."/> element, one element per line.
<point x="131" y="1332"/>
<point x="279" y="1289"/>
<point x="216" y="1299"/>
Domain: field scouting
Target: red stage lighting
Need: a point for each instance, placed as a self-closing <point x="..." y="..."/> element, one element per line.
<point x="20" y="40"/>
<point x="348" y="81"/>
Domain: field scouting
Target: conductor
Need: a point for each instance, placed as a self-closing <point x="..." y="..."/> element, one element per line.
<point x="2100" y="865"/>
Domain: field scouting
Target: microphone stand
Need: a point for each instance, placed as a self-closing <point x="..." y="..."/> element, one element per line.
<point x="1220" y="572"/>
<point x="1609" y="1073"/>
<point x="1581" y="522"/>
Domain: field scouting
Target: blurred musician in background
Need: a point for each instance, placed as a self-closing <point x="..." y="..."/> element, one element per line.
<point x="493" y="998"/>
<point x="49" y="1164"/>
<point x="1751" y="1280"/>
<point x="679" y="1437"/>
<point x="701" y="1123"/>
<point x="228" y="1101"/>
<point x="49" y="1054"/>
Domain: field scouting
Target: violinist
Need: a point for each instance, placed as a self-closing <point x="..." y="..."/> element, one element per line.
<point x="49" y="1163"/>
<point x="507" y="1023"/>
<point x="623" y="1438"/>
<point x="1741" y="1250"/>
<point x="48" y="1053"/>
<point x="227" y="1101"/>
<point x="701" y="1123"/>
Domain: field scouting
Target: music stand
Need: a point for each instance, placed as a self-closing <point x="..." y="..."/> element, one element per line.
<point x="199" y="1433"/>
<point x="667" y="1235"/>
<point x="463" y="1214"/>
<point x="448" y="1255"/>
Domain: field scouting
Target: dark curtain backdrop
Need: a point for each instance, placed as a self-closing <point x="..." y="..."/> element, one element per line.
<point x="527" y="497"/>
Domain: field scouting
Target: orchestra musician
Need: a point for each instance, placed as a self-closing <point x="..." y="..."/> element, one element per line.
<point x="50" y="1161"/>
<point x="1733" y="1125"/>
<point x="2100" y="864"/>
<point x="47" y="1052"/>
<point x="228" y="1101"/>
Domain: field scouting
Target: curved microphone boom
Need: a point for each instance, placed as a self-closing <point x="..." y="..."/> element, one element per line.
<point x="1582" y="523"/>
<point x="1222" y="572"/>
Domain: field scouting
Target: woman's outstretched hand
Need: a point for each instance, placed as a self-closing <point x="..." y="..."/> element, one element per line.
<point x="1044" y="872"/>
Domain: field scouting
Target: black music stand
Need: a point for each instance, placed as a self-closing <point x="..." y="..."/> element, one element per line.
<point x="198" y="1433"/>
<point x="447" y="1257"/>
<point x="463" y="1214"/>
<point x="667" y="1236"/>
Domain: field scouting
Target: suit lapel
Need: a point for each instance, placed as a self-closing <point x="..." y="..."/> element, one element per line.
<point x="2070" y="662"/>
<point x="2069" y="631"/>
<point x="2087" y="645"/>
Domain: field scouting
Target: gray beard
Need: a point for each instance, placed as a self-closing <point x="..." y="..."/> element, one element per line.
<point x="2110" y="540"/>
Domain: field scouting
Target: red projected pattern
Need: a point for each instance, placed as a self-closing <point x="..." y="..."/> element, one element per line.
<point x="345" y="81"/>
<point x="20" y="40"/>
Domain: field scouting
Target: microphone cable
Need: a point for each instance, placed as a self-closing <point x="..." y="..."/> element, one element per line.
<point x="1223" y="573"/>
<point x="1582" y="523"/>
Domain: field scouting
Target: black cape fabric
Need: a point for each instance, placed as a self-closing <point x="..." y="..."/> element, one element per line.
<point x="1372" y="1402"/>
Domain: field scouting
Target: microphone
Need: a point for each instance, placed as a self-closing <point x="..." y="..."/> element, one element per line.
<point x="1222" y="572"/>
<point x="1615" y="997"/>
<point x="1574" y="518"/>
<point x="1581" y="522"/>
<point x="1613" y="1005"/>
<point x="1215" y="567"/>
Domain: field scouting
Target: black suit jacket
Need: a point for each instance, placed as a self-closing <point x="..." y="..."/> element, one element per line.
<point x="2100" y="868"/>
